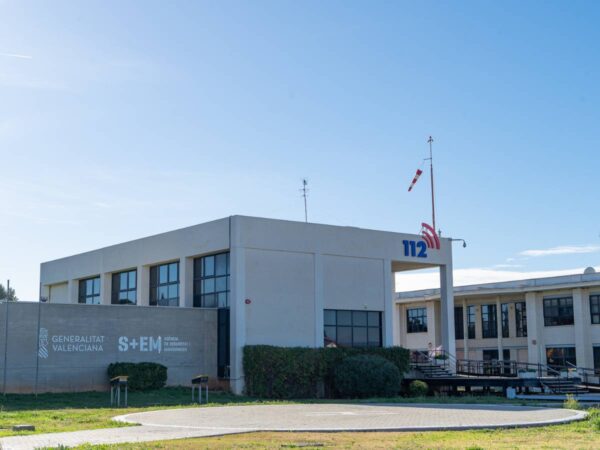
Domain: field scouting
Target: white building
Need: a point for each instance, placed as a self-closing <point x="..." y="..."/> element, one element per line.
<point x="273" y="282"/>
<point x="554" y="321"/>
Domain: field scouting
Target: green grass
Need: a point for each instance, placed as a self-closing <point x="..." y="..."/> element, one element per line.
<point x="584" y="434"/>
<point x="90" y="410"/>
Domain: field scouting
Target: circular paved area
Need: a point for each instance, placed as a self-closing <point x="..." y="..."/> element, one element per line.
<point x="352" y="417"/>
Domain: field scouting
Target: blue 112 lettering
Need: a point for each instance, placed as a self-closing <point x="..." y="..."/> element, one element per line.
<point x="415" y="248"/>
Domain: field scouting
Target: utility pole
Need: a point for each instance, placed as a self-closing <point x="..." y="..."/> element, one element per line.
<point x="304" y="191"/>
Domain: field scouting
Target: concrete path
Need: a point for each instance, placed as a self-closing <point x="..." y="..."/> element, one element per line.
<point x="200" y="422"/>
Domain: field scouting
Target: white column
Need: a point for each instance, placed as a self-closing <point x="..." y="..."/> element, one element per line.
<point x="73" y="291"/>
<point x="533" y="329"/>
<point x="105" y="288"/>
<point x="143" y="285"/>
<point x="465" y="329"/>
<point x="582" y="322"/>
<point x="395" y="313"/>
<point x="237" y="308"/>
<point x="186" y="282"/>
<point x="388" y="298"/>
<point x="447" y="308"/>
<point x="499" y="328"/>
<point x="319" y="300"/>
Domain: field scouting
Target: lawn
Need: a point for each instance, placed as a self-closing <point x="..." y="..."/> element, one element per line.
<point x="89" y="410"/>
<point x="577" y="435"/>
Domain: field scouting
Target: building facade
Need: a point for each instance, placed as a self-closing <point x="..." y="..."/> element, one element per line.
<point x="552" y="321"/>
<point x="271" y="282"/>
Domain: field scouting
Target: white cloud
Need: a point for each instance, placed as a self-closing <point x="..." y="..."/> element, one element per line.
<point x="562" y="250"/>
<point x="16" y="55"/>
<point x="411" y="281"/>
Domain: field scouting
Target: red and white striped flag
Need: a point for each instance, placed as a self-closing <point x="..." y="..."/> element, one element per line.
<point x="414" y="181"/>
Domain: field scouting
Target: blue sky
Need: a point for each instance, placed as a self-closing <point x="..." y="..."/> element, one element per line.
<point x="125" y="119"/>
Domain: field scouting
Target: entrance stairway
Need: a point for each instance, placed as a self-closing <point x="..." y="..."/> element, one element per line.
<point x="433" y="371"/>
<point x="563" y="385"/>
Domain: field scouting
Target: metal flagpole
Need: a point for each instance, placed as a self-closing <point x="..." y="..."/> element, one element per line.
<point x="430" y="141"/>
<point x="304" y="191"/>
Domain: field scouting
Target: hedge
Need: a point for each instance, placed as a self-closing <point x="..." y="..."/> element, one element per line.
<point x="364" y="376"/>
<point x="301" y="372"/>
<point x="143" y="376"/>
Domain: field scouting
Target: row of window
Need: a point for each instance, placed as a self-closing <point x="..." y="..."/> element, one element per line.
<point x="211" y="284"/>
<point x="557" y="311"/>
<point x="416" y="320"/>
<point x="556" y="357"/>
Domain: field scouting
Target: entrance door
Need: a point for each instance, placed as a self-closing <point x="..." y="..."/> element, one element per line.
<point x="490" y="362"/>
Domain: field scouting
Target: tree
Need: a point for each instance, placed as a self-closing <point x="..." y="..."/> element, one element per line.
<point x="12" y="297"/>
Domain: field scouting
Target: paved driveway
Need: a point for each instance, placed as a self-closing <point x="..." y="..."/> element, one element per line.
<point x="200" y="422"/>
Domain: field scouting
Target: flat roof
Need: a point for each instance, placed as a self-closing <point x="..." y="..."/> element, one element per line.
<point x="528" y="285"/>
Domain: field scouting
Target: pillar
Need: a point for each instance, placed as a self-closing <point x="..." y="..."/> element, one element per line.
<point x="186" y="282"/>
<point x="534" y="328"/>
<point x="73" y="291"/>
<point x="447" y="308"/>
<point x="237" y="260"/>
<point x="582" y="325"/>
<point x="105" y="288"/>
<point x="499" y="328"/>
<point x="465" y="330"/>
<point x="143" y="285"/>
<point x="319" y="300"/>
<point x="388" y="297"/>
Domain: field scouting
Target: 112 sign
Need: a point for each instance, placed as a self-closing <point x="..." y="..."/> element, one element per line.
<point x="414" y="248"/>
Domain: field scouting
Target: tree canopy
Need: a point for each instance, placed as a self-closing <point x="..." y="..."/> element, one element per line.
<point x="12" y="297"/>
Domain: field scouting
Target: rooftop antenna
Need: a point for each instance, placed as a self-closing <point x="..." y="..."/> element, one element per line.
<point x="430" y="159"/>
<point x="304" y="191"/>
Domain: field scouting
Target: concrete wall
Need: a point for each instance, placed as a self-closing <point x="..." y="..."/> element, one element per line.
<point x="78" y="342"/>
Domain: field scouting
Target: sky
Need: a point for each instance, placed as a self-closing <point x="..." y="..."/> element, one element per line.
<point x="120" y="120"/>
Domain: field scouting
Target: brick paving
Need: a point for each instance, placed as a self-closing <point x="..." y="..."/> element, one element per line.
<point x="200" y="422"/>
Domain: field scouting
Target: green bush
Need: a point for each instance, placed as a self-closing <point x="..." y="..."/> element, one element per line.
<point x="143" y="376"/>
<point x="367" y="376"/>
<point x="301" y="372"/>
<point x="418" y="388"/>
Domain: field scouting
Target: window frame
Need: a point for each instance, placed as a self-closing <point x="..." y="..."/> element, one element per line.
<point x="521" y="319"/>
<point x="595" y="298"/>
<point x="156" y="285"/>
<point x="471" y="322"/>
<point x="200" y="280"/>
<point x="117" y="288"/>
<point x="504" y="320"/>
<point x="487" y="319"/>
<point x="83" y="296"/>
<point x="420" y="315"/>
<point x="560" y="319"/>
<point x="562" y="357"/>
<point x="459" y="323"/>
<point x="369" y="328"/>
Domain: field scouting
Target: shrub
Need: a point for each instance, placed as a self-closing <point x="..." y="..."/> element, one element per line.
<point x="571" y="402"/>
<point x="418" y="388"/>
<point x="301" y="372"/>
<point x="367" y="376"/>
<point x="143" y="376"/>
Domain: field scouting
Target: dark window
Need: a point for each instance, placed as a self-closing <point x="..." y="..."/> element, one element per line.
<point x="89" y="291"/>
<point x="223" y="343"/>
<point x="471" y="321"/>
<point x="352" y="328"/>
<point x="211" y="281"/>
<point x="521" y="318"/>
<point x="558" y="311"/>
<point x="164" y="285"/>
<point x="124" y="288"/>
<point x="489" y="324"/>
<point x="597" y="359"/>
<point x="595" y="308"/>
<point x="557" y="357"/>
<point x="504" y="318"/>
<point x="459" y="331"/>
<point x="416" y="320"/>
